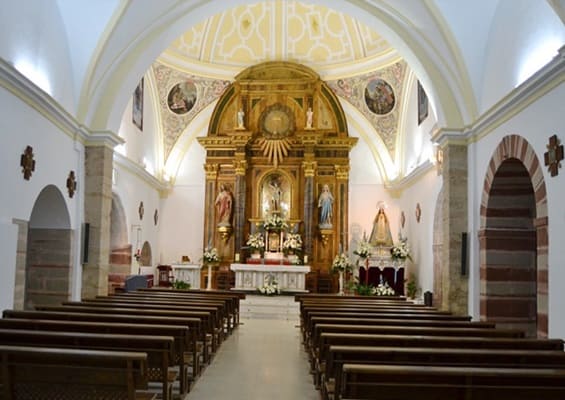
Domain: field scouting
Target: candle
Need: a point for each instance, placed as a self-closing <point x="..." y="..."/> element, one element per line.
<point x="305" y="259"/>
<point x="236" y="257"/>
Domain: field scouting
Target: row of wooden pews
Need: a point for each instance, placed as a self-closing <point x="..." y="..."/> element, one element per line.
<point x="113" y="347"/>
<point x="390" y="348"/>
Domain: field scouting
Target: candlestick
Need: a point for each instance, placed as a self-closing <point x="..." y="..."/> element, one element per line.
<point x="236" y="257"/>
<point x="305" y="259"/>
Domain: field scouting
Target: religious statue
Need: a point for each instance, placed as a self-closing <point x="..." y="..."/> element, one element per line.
<point x="309" y="116"/>
<point x="224" y="205"/>
<point x="276" y="194"/>
<point x="325" y="204"/>
<point x="380" y="235"/>
<point x="240" y="115"/>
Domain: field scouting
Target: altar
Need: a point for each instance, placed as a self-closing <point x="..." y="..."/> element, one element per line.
<point x="291" y="278"/>
<point x="189" y="273"/>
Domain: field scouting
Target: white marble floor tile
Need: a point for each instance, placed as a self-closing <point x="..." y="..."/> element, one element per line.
<point x="262" y="360"/>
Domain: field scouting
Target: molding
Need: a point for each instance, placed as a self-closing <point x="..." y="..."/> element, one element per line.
<point x="539" y="84"/>
<point x="140" y="172"/>
<point x="412" y="178"/>
<point x="27" y="91"/>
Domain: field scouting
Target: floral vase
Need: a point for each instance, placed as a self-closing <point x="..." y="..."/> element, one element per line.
<point x="340" y="292"/>
<point x="256" y="255"/>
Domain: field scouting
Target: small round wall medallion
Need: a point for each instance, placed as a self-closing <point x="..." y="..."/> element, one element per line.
<point x="141" y="210"/>
<point x="418" y="212"/>
<point x="402" y="219"/>
<point x="156" y="216"/>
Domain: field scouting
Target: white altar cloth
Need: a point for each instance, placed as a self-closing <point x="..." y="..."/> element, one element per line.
<point x="291" y="278"/>
<point x="190" y="273"/>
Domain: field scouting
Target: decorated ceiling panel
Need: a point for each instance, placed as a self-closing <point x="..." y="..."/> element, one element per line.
<point x="279" y="30"/>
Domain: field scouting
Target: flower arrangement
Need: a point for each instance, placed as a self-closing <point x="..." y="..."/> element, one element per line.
<point x="293" y="241"/>
<point x="274" y="222"/>
<point x="363" y="249"/>
<point x="400" y="252"/>
<point x="270" y="286"/>
<point x="341" y="263"/>
<point x="210" y="255"/>
<point x="137" y="255"/>
<point x="256" y="242"/>
<point x="383" y="289"/>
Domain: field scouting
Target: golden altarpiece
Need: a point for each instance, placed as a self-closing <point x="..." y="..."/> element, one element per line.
<point x="277" y="146"/>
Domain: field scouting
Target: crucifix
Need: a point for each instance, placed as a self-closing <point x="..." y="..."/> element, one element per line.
<point x="553" y="155"/>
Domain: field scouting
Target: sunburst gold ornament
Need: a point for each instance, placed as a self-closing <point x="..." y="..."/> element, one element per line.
<point x="275" y="149"/>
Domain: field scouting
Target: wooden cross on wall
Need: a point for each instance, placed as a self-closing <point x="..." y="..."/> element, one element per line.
<point x="553" y="155"/>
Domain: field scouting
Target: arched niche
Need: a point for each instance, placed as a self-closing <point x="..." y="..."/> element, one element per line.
<point x="48" y="254"/>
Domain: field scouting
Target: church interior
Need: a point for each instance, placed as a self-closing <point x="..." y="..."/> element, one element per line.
<point x="230" y="146"/>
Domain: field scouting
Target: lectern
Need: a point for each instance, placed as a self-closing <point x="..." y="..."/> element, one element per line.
<point x="164" y="274"/>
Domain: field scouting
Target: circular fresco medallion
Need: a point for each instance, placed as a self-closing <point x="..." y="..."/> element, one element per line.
<point x="182" y="97"/>
<point x="379" y="97"/>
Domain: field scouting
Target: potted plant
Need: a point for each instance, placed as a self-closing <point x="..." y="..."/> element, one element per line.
<point x="256" y="244"/>
<point x="341" y="265"/>
<point x="411" y="288"/>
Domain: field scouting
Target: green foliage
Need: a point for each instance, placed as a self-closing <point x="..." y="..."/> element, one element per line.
<point x="181" y="285"/>
<point x="412" y="288"/>
<point x="364" y="290"/>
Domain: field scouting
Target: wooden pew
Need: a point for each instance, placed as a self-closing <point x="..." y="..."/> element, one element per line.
<point x="159" y="349"/>
<point x="185" y="354"/>
<point x="319" y="296"/>
<point x="53" y="374"/>
<point x="408" y="382"/>
<point x="203" y="318"/>
<point x="314" y="348"/>
<point x="212" y="317"/>
<point x="505" y="358"/>
<point x="228" y="307"/>
<point x="234" y="296"/>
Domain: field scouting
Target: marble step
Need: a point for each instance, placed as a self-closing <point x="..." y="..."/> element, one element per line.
<point x="269" y="307"/>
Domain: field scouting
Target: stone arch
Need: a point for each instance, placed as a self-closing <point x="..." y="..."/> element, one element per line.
<point x="48" y="254"/>
<point x="146" y="255"/>
<point x="513" y="217"/>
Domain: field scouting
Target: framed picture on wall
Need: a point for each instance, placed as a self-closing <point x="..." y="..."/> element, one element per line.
<point x="137" y="106"/>
<point x="422" y="104"/>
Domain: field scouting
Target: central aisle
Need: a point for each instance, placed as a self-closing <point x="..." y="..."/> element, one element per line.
<point x="262" y="359"/>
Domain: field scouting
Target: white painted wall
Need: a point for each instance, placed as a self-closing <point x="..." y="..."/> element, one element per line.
<point x="523" y="32"/>
<point x="33" y="39"/>
<point x="56" y="154"/>
<point x="536" y="124"/>
<point x="420" y="234"/>
<point x="414" y="140"/>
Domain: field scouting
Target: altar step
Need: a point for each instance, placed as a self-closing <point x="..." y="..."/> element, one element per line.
<point x="269" y="307"/>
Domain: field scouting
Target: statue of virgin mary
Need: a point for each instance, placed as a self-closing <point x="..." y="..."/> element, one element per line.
<point x="380" y="235"/>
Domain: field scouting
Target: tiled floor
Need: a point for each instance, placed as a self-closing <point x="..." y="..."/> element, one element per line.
<point x="262" y="360"/>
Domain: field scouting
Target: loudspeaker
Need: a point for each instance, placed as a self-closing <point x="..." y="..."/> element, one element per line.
<point x="463" y="253"/>
<point x="85" y="242"/>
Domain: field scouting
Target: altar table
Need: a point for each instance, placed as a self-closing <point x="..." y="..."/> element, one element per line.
<point x="291" y="278"/>
<point x="190" y="273"/>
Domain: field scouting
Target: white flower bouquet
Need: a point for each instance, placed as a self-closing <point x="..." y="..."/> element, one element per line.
<point x="293" y="241"/>
<point x="363" y="249"/>
<point x="256" y="241"/>
<point x="341" y="263"/>
<point x="383" y="289"/>
<point x="270" y="286"/>
<point x="400" y="252"/>
<point x="275" y="222"/>
<point x="210" y="255"/>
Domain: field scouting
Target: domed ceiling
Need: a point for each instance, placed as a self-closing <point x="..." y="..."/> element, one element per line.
<point x="279" y="30"/>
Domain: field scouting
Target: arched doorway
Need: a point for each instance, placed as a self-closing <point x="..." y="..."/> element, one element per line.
<point x="513" y="240"/>
<point x="48" y="255"/>
<point x="120" y="249"/>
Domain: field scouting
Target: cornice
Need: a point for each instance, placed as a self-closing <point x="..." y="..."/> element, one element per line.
<point x="413" y="177"/>
<point x="140" y="172"/>
<point x="27" y="91"/>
